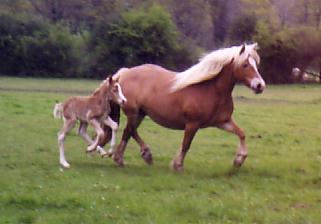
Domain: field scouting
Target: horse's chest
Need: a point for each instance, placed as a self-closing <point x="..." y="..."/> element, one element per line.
<point x="222" y="112"/>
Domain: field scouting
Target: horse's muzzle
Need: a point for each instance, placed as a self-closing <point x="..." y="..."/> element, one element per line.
<point x="259" y="88"/>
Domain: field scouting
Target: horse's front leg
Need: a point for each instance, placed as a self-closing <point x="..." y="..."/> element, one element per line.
<point x="241" y="153"/>
<point x="190" y="131"/>
<point x="114" y="127"/>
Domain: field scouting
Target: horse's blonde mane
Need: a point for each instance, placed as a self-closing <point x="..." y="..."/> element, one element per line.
<point x="211" y="65"/>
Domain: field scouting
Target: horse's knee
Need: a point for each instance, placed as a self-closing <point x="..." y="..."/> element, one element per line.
<point x="61" y="136"/>
<point x="115" y="127"/>
<point x="100" y="134"/>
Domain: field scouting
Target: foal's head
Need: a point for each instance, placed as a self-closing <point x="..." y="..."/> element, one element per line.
<point x="245" y="69"/>
<point x="115" y="92"/>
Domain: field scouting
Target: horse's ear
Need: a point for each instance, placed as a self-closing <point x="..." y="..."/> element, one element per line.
<point x="256" y="46"/>
<point x="242" y="49"/>
<point x="232" y="60"/>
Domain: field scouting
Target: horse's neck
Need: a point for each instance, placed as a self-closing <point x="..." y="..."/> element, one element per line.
<point x="224" y="83"/>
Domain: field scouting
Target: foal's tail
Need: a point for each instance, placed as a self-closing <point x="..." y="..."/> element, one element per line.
<point x="57" y="111"/>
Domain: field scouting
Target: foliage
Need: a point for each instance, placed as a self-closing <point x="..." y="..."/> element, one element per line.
<point x="33" y="47"/>
<point x="141" y="36"/>
<point x="242" y="28"/>
<point x="286" y="49"/>
<point x="279" y="182"/>
<point x="86" y="38"/>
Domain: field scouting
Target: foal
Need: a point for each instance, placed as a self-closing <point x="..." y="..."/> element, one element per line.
<point x="93" y="109"/>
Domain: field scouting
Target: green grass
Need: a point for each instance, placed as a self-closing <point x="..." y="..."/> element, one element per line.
<point x="279" y="183"/>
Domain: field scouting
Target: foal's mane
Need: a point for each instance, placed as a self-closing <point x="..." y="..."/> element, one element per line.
<point x="102" y="84"/>
<point x="212" y="64"/>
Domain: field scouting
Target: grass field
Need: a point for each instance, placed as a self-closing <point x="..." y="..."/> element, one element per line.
<point x="279" y="183"/>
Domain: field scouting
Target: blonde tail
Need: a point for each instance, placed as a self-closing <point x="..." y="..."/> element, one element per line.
<point x="57" y="111"/>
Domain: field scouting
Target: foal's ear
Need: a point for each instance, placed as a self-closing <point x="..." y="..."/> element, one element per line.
<point x="110" y="80"/>
<point x="242" y="49"/>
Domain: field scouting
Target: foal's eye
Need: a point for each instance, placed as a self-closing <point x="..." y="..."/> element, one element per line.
<point x="245" y="65"/>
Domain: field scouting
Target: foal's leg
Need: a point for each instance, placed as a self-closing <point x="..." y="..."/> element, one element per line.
<point x="190" y="131"/>
<point x="114" y="127"/>
<point x="83" y="133"/>
<point x="68" y="125"/>
<point x="99" y="132"/>
<point x="241" y="153"/>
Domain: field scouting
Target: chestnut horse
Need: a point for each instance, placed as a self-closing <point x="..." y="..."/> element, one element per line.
<point x="199" y="97"/>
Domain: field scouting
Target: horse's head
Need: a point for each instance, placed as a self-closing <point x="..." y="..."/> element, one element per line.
<point x="115" y="92"/>
<point x="245" y="69"/>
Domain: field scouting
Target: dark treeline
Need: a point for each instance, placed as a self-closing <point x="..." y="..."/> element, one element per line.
<point x="93" y="38"/>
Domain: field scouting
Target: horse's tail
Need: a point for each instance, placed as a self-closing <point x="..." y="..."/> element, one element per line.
<point x="57" y="111"/>
<point x="114" y="115"/>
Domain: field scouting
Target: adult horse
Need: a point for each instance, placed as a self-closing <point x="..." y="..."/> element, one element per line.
<point x="197" y="98"/>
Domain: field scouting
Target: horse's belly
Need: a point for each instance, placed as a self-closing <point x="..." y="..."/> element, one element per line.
<point x="167" y="121"/>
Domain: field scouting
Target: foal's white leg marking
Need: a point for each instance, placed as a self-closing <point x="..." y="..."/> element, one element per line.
<point x="114" y="127"/>
<point x="99" y="132"/>
<point x="62" y="159"/>
<point x="68" y="125"/>
<point x="83" y="133"/>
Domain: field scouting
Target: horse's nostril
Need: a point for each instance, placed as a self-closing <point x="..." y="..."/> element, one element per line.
<point x="259" y="86"/>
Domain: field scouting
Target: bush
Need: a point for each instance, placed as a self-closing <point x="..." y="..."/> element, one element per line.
<point x="288" y="48"/>
<point x="30" y="46"/>
<point x="242" y="28"/>
<point x="140" y="36"/>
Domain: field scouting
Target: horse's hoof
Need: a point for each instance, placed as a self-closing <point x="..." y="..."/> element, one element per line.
<point x="177" y="167"/>
<point x="239" y="160"/>
<point x="147" y="156"/>
<point x="119" y="161"/>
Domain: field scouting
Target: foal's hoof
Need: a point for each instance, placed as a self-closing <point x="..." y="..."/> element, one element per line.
<point x="177" y="167"/>
<point x="147" y="156"/>
<point x="90" y="149"/>
<point x="239" y="160"/>
<point x="65" y="165"/>
<point x="106" y="154"/>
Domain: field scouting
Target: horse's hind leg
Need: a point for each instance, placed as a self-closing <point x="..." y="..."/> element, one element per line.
<point x="83" y="133"/>
<point x="68" y="125"/>
<point x="241" y="153"/>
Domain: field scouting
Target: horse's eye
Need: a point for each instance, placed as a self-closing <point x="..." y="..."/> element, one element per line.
<point x="245" y="65"/>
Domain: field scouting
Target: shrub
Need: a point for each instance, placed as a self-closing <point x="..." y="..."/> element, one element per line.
<point x="140" y="36"/>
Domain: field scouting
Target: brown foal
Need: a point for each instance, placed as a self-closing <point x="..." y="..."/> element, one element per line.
<point x="93" y="109"/>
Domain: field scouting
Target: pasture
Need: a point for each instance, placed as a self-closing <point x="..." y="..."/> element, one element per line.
<point x="279" y="183"/>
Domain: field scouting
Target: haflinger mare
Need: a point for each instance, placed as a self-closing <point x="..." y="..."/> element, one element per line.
<point x="198" y="97"/>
